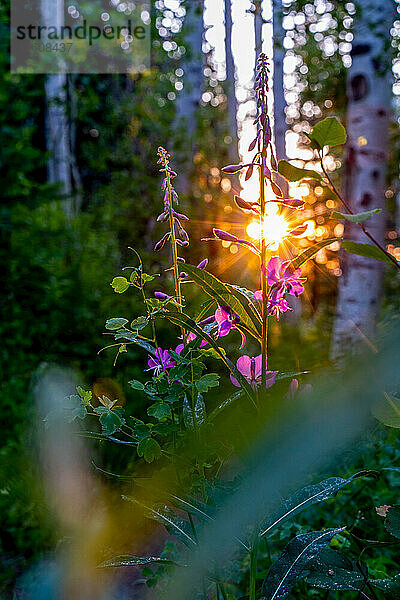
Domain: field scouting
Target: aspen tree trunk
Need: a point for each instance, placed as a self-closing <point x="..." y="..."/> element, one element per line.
<point x="189" y="98"/>
<point x="57" y="122"/>
<point x="279" y="91"/>
<point x="258" y="27"/>
<point x="368" y="116"/>
<point x="230" y="86"/>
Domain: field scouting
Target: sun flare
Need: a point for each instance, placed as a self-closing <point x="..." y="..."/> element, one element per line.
<point x="275" y="230"/>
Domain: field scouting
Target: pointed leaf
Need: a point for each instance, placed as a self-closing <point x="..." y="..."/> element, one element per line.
<point x="284" y="573"/>
<point x="331" y="570"/>
<point x="329" y="132"/>
<point x="387" y="411"/>
<point x="310" y="252"/>
<point x="192" y="506"/>
<point x="367" y="250"/>
<point x="303" y="498"/>
<point x="174" y="525"/>
<point x="225" y="296"/>
<point x="358" y="218"/>
<point x="195" y="417"/>
<point x="389" y="587"/>
<point x="127" y="560"/>
<point x="292" y="173"/>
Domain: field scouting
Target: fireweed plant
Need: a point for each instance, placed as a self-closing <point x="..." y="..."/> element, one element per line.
<point x="178" y="382"/>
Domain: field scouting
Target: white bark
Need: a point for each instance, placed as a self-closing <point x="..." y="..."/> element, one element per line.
<point x="258" y="27"/>
<point x="189" y="98"/>
<point x="230" y="85"/>
<point x="57" y="122"/>
<point x="368" y="116"/>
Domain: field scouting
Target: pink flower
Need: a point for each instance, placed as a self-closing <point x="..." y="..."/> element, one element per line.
<point x="277" y="303"/>
<point x="189" y="338"/>
<point x="280" y="273"/>
<point x="160" y="362"/>
<point x="227" y="320"/>
<point x="251" y="369"/>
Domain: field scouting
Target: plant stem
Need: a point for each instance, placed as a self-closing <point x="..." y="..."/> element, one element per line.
<point x="264" y="284"/>
<point x="349" y="210"/>
<point x="253" y="568"/>
<point x="173" y="243"/>
<point x="223" y="592"/>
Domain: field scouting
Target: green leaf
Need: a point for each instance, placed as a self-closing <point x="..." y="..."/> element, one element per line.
<point x="187" y="323"/>
<point x="173" y="524"/>
<point x="358" y="218"/>
<point x="329" y="132"/>
<point x="110" y="420"/>
<point x="387" y="410"/>
<point x="139" y="323"/>
<point x="303" y="498"/>
<point x="194" y="417"/>
<point x="136" y="561"/>
<point x="159" y="410"/>
<point x="120" y="284"/>
<point x="331" y="570"/>
<point x="392" y="521"/>
<point x="292" y="173"/>
<point x="86" y="396"/>
<point x="137" y="385"/>
<point x="218" y="409"/>
<point x="149" y="448"/>
<point x="131" y="336"/>
<point x="285" y="571"/>
<point x="146" y="278"/>
<point x="225" y="295"/>
<point x="192" y="506"/>
<point x="116" y="323"/>
<point x="367" y="250"/>
<point x="310" y="252"/>
<point x="389" y="587"/>
<point x="206" y="382"/>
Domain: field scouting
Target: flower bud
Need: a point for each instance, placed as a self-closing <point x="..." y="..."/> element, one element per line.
<point x="180" y="216"/>
<point x="244" y="205"/>
<point x="276" y="189"/>
<point x="162" y="218"/>
<point x="224" y="235"/>
<point x="298" y="230"/>
<point x="295" y="203"/>
<point x="232" y="169"/>
<point x="203" y="264"/>
<point x="161" y="296"/>
<point x="160" y="243"/>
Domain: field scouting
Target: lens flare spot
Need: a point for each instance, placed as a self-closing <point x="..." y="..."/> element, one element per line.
<point x="275" y="229"/>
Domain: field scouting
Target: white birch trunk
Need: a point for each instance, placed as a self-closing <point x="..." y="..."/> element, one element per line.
<point x="258" y="27"/>
<point x="189" y="98"/>
<point x="57" y="123"/>
<point x="368" y="116"/>
<point x="230" y="85"/>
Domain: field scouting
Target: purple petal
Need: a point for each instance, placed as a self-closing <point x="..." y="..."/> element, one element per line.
<point x="244" y="365"/>
<point x="221" y="315"/>
<point x="224" y="328"/>
<point x="235" y="381"/>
